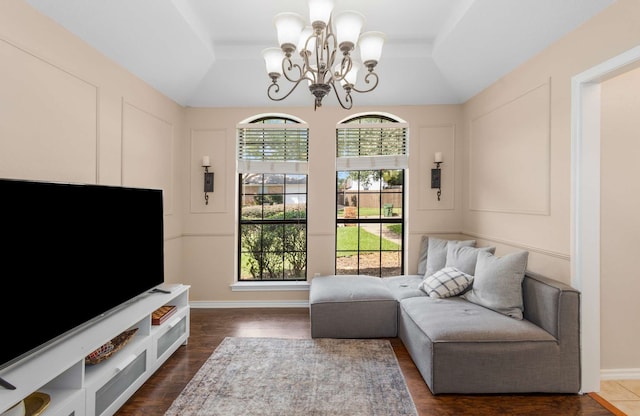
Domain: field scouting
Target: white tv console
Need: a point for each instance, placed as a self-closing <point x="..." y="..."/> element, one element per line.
<point x="77" y="389"/>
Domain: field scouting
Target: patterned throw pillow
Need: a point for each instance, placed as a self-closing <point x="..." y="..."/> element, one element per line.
<point x="446" y="282"/>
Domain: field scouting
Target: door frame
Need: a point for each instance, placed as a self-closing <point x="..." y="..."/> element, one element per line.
<point x="585" y="204"/>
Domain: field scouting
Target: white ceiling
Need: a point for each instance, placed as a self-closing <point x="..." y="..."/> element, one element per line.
<point x="207" y="53"/>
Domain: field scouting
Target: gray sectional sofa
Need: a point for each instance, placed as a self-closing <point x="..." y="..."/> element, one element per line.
<point x="458" y="343"/>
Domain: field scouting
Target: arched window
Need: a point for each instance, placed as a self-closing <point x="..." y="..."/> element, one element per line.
<point x="371" y="162"/>
<point x="272" y="157"/>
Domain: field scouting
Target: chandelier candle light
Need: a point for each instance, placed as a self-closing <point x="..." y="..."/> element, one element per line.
<point x="319" y="46"/>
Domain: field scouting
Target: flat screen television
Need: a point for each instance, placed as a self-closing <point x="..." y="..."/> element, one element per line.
<point x="73" y="253"/>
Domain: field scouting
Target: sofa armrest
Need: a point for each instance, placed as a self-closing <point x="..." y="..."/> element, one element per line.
<point x="552" y="305"/>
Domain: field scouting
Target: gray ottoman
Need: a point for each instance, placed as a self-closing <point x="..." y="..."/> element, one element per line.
<point x="352" y="306"/>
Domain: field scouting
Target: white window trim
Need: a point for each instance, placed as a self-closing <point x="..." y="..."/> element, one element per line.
<point x="262" y="286"/>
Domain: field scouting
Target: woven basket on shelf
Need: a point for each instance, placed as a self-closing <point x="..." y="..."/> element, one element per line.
<point x="106" y="350"/>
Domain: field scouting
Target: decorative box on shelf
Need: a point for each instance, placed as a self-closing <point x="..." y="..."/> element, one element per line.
<point x="162" y="314"/>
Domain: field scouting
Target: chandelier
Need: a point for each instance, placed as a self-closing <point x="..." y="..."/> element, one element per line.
<point x="325" y="53"/>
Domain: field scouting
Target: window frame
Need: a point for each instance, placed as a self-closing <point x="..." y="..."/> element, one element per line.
<point x="372" y="153"/>
<point x="263" y="161"/>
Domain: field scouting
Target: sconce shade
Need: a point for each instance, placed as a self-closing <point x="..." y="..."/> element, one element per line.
<point x="289" y="27"/>
<point x="370" y="44"/>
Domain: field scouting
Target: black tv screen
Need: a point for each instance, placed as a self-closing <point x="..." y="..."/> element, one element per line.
<point x="71" y="254"/>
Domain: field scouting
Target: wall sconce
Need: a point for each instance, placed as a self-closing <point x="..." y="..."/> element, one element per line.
<point x="208" y="178"/>
<point x="435" y="174"/>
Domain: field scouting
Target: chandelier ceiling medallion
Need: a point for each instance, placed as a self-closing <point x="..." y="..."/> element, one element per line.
<point x="320" y="64"/>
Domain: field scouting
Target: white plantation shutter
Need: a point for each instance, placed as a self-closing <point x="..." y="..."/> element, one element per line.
<point x="273" y="148"/>
<point x="367" y="146"/>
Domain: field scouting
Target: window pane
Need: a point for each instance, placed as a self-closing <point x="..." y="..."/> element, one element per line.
<point x="347" y="238"/>
<point x="273" y="265"/>
<point x="391" y="263"/>
<point x="369" y="204"/>
<point x="250" y="266"/>
<point x="251" y="237"/>
<point x="251" y="251"/>
<point x="272" y="237"/>
<point x="369" y="263"/>
<point x="392" y="236"/>
<point x="295" y="237"/>
<point x="369" y="237"/>
<point x="392" y="193"/>
<point x="350" y="209"/>
<point x="347" y="264"/>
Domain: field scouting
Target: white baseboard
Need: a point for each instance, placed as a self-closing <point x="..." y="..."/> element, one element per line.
<point x="620" y="374"/>
<point x="250" y="304"/>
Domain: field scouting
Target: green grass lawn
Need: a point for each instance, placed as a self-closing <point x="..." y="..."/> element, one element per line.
<point x="396" y="228"/>
<point x="347" y="240"/>
<point x="370" y="212"/>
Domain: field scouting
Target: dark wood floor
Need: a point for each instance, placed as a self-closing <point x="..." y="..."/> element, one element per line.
<point x="210" y="326"/>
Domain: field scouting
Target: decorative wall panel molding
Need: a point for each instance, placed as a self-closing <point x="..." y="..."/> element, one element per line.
<point x="509" y="156"/>
<point x="432" y="139"/>
<point x="147" y="152"/>
<point x="48" y="120"/>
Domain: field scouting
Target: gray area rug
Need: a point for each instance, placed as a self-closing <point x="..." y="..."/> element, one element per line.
<point x="307" y="377"/>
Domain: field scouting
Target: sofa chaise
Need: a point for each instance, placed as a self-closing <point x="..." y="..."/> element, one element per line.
<point x="465" y="340"/>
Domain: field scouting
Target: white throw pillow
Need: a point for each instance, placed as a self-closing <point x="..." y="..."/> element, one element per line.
<point x="497" y="284"/>
<point x="446" y="282"/>
<point x="422" y="257"/>
<point x="465" y="258"/>
<point x="437" y="253"/>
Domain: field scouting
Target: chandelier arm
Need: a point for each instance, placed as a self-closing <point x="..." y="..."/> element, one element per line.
<point x="307" y="68"/>
<point x="288" y="68"/>
<point x="347" y="97"/>
<point x="330" y="46"/>
<point x="367" y="81"/>
<point x="276" y="89"/>
<point x="345" y="66"/>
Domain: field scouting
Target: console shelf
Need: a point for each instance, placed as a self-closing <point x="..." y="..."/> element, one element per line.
<point x="79" y="389"/>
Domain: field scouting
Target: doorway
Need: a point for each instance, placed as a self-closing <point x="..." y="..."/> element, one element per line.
<point x="585" y="190"/>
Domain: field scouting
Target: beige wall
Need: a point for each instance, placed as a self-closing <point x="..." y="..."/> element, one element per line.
<point x="620" y="221"/>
